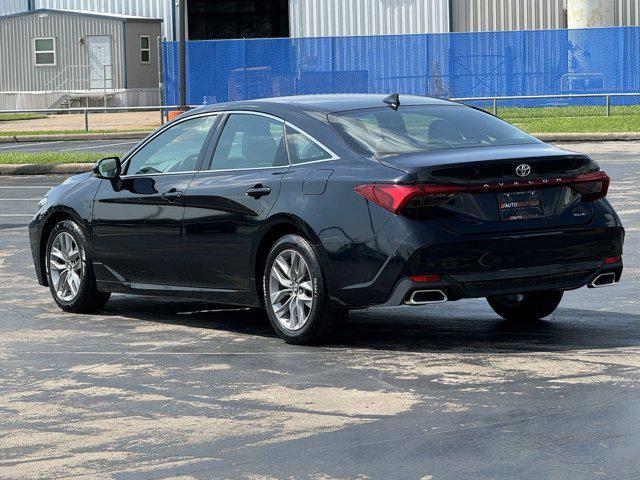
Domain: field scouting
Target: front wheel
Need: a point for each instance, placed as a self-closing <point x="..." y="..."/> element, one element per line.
<point x="295" y="295"/>
<point x="70" y="272"/>
<point x="526" y="306"/>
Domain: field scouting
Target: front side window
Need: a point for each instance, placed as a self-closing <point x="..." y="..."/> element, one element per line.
<point x="411" y="129"/>
<point x="145" y="49"/>
<point x="250" y="141"/>
<point x="174" y="150"/>
<point x="45" y="51"/>
<point x="303" y="149"/>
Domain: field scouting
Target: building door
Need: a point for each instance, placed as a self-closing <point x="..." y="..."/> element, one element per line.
<point x="237" y="19"/>
<point x="100" y="65"/>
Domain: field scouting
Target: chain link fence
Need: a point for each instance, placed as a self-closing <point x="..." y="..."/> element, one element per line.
<point x="453" y="65"/>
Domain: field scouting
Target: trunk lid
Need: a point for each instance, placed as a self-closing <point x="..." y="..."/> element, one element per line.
<point x="492" y="172"/>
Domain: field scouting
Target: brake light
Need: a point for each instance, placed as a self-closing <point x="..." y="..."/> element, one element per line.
<point x="610" y="260"/>
<point x="395" y="197"/>
<point x="390" y="196"/>
<point x="425" y="278"/>
<point x="591" y="186"/>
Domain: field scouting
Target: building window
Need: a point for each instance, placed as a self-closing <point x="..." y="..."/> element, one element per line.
<point x="145" y="49"/>
<point x="45" y="51"/>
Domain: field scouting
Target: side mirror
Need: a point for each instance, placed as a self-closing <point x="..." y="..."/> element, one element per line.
<point x="107" y="168"/>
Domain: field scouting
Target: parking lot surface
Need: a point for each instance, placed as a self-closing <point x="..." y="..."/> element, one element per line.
<point x="153" y="388"/>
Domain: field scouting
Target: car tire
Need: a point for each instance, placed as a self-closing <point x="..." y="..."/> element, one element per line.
<point x="70" y="275"/>
<point x="295" y="293"/>
<point x="526" y="307"/>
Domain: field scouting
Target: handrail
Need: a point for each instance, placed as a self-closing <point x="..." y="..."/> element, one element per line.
<point x="606" y="96"/>
<point x="97" y="109"/>
<point x="85" y="110"/>
<point x="559" y="95"/>
<point x="495" y="99"/>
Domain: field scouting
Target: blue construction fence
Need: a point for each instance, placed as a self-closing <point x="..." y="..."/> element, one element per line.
<point x="452" y="65"/>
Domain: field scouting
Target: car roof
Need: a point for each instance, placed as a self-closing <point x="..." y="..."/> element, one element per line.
<point x="279" y="106"/>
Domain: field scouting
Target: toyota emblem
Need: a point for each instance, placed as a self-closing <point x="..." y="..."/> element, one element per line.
<point x="523" y="170"/>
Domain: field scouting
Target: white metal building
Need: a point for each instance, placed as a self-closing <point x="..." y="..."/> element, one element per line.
<point x="328" y="18"/>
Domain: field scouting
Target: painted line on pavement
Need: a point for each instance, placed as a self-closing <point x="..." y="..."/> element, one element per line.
<point x="28" y="186"/>
<point x="315" y="352"/>
<point x="19" y="145"/>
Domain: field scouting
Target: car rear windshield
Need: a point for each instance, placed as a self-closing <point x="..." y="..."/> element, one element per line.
<point x="384" y="131"/>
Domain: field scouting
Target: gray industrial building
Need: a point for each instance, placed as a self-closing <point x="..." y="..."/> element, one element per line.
<point x="311" y="18"/>
<point x="57" y="57"/>
<point x="88" y="40"/>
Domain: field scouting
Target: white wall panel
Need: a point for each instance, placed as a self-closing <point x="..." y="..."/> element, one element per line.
<point x="492" y="15"/>
<point x="627" y="13"/>
<point x="8" y="7"/>
<point x="327" y="18"/>
<point x="140" y="8"/>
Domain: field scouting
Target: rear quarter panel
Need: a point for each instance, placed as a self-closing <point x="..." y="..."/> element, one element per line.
<point x="339" y="222"/>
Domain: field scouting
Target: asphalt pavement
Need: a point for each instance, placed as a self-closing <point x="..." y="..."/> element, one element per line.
<point x="153" y="388"/>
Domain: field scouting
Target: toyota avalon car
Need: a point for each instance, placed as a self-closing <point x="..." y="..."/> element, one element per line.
<point x="310" y="206"/>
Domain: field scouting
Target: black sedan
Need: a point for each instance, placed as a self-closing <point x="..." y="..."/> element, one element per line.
<point x="310" y="206"/>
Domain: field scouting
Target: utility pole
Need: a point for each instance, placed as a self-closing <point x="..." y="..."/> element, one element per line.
<point x="183" y="54"/>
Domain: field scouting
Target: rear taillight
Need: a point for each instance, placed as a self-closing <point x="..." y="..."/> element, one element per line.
<point x="395" y="197"/>
<point x="591" y="186"/>
<point x="390" y="196"/>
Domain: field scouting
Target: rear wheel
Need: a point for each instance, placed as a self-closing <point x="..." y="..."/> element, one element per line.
<point x="526" y="306"/>
<point x="69" y="271"/>
<point x="295" y="295"/>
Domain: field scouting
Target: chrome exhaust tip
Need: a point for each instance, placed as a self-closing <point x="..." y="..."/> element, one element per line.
<point x="423" y="297"/>
<point x="603" y="280"/>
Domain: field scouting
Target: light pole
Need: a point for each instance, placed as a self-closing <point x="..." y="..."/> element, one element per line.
<point x="183" y="54"/>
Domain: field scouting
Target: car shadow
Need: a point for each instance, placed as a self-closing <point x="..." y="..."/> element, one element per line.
<point x="434" y="328"/>
<point x="567" y="329"/>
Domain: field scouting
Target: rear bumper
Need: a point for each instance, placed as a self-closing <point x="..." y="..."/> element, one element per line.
<point x="376" y="272"/>
<point x="504" y="282"/>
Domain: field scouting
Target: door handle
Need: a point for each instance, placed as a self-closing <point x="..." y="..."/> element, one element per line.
<point x="258" y="191"/>
<point x="172" y="195"/>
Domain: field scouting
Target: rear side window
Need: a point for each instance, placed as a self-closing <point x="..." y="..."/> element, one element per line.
<point x="303" y="149"/>
<point x="410" y="129"/>
<point x="250" y="141"/>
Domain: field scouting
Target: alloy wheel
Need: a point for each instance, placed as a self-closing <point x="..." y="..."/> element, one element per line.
<point x="66" y="266"/>
<point x="291" y="290"/>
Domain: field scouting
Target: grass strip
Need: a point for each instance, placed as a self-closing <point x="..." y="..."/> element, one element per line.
<point x="52" y="157"/>
<point x="18" y="133"/>
<point x="10" y="117"/>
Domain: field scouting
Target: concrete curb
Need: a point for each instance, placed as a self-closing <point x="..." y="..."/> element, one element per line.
<point x="44" y="169"/>
<point x="73" y="137"/>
